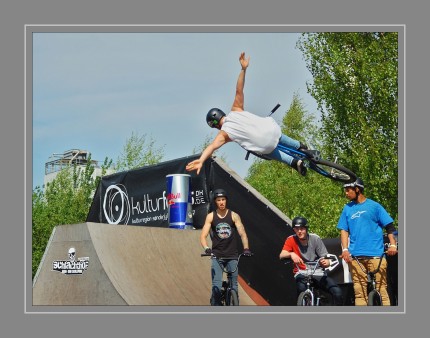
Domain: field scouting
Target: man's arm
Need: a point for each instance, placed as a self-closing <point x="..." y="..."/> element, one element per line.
<point x="221" y="139"/>
<point x="205" y="231"/>
<point x="344" y="236"/>
<point x="241" y="230"/>
<point x="238" y="102"/>
<point x="290" y="254"/>
<point x="392" y="247"/>
<point x="322" y="252"/>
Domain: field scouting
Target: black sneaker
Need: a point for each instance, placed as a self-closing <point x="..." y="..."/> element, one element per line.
<point x="301" y="168"/>
<point x="299" y="165"/>
<point x="303" y="146"/>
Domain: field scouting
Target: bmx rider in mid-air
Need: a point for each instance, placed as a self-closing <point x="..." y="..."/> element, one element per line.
<point x="254" y="133"/>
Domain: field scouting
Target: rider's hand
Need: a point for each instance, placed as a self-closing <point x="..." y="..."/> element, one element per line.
<point x="346" y="256"/>
<point x="325" y="263"/>
<point x="194" y="165"/>
<point x="208" y="251"/>
<point x="243" y="61"/>
<point x="247" y="252"/>
<point x="392" y="250"/>
<point x="296" y="258"/>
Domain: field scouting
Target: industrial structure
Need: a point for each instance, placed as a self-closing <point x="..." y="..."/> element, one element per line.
<point x="60" y="161"/>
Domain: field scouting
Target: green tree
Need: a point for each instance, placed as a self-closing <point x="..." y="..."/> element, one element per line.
<point x="318" y="199"/>
<point x="65" y="200"/>
<point x="355" y="83"/>
<point x="138" y="151"/>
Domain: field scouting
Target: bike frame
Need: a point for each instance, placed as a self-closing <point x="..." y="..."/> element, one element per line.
<point x="227" y="288"/>
<point x="371" y="276"/>
<point x="227" y="285"/>
<point x="308" y="273"/>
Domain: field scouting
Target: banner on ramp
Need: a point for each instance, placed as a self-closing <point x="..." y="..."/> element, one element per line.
<point x="140" y="197"/>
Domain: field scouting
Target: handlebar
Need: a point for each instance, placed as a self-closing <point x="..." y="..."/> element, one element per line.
<point x="370" y="272"/>
<point x="220" y="264"/>
<point x="212" y="255"/>
<point x="312" y="265"/>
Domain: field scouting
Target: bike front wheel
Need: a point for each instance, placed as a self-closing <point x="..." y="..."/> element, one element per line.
<point x="304" y="299"/>
<point x="233" y="299"/>
<point x="333" y="171"/>
<point x="374" y="298"/>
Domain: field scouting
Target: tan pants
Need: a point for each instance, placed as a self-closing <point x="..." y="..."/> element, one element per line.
<point x="359" y="279"/>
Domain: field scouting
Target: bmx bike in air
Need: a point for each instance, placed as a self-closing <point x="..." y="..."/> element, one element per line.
<point x="312" y="160"/>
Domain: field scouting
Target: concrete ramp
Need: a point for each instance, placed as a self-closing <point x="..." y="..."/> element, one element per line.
<point x="125" y="265"/>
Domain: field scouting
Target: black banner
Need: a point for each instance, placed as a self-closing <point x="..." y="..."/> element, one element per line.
<point x="139" y="197"/>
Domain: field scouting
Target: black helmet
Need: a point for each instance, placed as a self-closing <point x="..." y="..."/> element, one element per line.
<point x="357" y="183"/>
<point x="214" y="116"/>
<point x="219" y="193"/>
<point x="300" y="222"/>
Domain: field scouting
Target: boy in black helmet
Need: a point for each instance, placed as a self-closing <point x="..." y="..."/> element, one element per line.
<point x="260" y="135"/>
<point x="306" y="247"/>
<point x="224" y="227"/>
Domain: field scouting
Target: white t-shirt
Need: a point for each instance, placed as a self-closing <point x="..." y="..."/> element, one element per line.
<point x="254" y="133"/>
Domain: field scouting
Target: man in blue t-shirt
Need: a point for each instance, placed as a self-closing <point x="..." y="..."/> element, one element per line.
<point x="361" y="226"/>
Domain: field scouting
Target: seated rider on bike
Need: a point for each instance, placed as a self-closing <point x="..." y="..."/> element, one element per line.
<point x="259" y="135"/>
<point x="224" y="226"/>
<point x="307" y="247"/>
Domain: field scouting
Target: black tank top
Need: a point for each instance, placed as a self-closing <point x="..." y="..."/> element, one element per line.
<point x="224" y="236"/>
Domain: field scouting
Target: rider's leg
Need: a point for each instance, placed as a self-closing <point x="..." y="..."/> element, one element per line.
<point x="381" y="279"/>
<point x="289" y="142"/>
<point x="231" y="265"/>
<point x="300" y="283"/>
<point x="217" y="274"/>
<point x="328" y="284"/>
<point x="278" y="155"/>
<point x="359" y="279"/>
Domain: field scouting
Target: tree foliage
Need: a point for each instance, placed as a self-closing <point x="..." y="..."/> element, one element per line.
<point x="139" y="151"/>
<point x="355" y="83"/>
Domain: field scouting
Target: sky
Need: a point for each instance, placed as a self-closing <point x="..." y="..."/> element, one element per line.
<point x="91" y="91"/>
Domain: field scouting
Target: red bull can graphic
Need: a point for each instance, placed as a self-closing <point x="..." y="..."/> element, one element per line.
<point x="179" y="201"/>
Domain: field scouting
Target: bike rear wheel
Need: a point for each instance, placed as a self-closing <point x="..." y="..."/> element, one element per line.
<point x="374" y="299"/>
<point x="233" y="299"/>
<point x="333" y="171"/>
<point x="304" y="299"/>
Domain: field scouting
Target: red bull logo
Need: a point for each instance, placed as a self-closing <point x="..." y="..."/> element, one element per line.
<point x="171" y="197"/>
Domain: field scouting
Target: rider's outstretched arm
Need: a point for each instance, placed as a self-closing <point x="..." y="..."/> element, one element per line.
<point x="238" y="103"/>
<point x="220" y="139"/>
